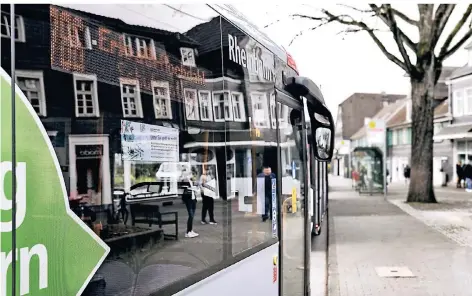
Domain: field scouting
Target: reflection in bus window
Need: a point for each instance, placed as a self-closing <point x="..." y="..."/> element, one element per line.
<point x="166" y="136"/>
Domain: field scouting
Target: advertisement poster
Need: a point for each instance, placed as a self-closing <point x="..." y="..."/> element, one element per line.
<point x="56" y="252"/>
<point x="146" y="142"/>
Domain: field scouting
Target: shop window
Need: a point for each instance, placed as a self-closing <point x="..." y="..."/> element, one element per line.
<point x="31" y="84"/>
<point x="19" y="27"/>
<point x="191" y="104"/>
<point x="237" y="99"/>
<point x="222" y="108"/>
<point x="161" y="99"/>
<point x="206" y="109"/>
<point x="130" y="98"/>
<point x="86" y="98"/>
<point x="259" y="109"/>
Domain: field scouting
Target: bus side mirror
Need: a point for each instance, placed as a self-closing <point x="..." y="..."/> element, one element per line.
<point x="322" y="128"/>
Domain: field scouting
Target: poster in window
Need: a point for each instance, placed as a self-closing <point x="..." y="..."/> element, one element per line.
<point x="146" y="142"/>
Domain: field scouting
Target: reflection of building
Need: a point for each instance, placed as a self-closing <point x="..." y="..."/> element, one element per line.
<point x="350" y="118"/>
<point x="129" y="105"/>
<point x="101" y="70"/>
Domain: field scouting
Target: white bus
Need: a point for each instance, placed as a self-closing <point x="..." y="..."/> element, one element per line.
<point x="120" y="111"/>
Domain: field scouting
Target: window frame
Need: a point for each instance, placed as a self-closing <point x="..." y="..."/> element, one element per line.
<point x="209" y="107"/>
<point x="139" y="107"/>
<point x="196" y="105"/>
<point x="467" y="101"/>
<point x="96" y="106"/>
<point x="458" y="109"/>
<point x="163" y="84"/>
<point x="191" y="64"/>
<point x="225" y="103"/>
<point x="266" y="109"/>
<point x="394" y="137"/>
<point x="19" y="23"/>
<point x="241" y="108"/>
<point x="88" y="37"/>
<point x="33" y="74"/>
<point x="150" y="47"/>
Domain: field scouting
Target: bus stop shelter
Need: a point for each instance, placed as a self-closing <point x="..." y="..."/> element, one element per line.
<point x="367" y="170"/>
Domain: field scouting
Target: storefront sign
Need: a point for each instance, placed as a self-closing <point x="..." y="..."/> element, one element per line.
<point x="56" y="253"/>
<point x="274" y="208"/>
<point x="146" y="142"/>
<point x="88" y="151"/>
<point x="376" y="135"/>
<point x="252" y="61"/>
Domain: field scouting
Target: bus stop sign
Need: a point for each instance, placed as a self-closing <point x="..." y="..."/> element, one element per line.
<point x="55" y="252"/>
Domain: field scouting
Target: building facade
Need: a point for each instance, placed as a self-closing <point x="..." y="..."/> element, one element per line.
<point x="459" y="132"/>
<point x="350" y="118"/>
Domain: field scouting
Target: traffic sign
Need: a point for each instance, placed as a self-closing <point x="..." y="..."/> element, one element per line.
<point x="56" y="253"/>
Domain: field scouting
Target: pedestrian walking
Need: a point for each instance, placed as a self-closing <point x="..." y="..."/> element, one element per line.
<point x="407" y="173"/>
<point x="208" y="193"/>
<point x="460" y="174"/>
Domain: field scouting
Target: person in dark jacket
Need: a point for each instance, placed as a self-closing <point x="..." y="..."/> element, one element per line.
<point x="468" y="177"/>
<point x="268" y="176"/>
<point x="407" y="173"/>
<point x="460" y="174"/>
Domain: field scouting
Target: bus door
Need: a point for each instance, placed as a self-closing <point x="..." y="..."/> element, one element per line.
<point x="292" y="170"/>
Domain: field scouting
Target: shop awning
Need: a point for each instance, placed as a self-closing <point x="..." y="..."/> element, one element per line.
<point x="454" y="131"/>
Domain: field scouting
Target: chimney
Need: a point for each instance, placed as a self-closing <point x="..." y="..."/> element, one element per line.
<point x="384" y="98"/>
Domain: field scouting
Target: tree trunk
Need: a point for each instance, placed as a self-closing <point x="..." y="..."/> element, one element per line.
<point x="422" y="96"/>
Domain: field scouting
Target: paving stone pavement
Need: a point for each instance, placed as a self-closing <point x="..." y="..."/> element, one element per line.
<point x="367" y="232"/>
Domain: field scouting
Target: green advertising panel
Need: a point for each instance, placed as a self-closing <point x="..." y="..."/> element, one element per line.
<point x="56" y="253"/>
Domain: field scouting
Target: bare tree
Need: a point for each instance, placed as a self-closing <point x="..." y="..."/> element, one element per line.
<point x="424" y="71"/>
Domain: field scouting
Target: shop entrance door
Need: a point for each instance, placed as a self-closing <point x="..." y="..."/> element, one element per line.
<point x="89" y="161"/>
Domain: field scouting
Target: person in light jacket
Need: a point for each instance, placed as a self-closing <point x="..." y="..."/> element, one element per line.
<point x="208" y="193"/>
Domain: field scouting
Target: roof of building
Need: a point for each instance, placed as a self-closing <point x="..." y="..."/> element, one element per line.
<point x="385" y="113"/>
<point x="379" y="96"/>
<point x="460" y="72"/>
<point x="396" y="114"/>
<point x="441" y="110"/>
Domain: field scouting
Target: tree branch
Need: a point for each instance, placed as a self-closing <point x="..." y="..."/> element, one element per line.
<point x="457" y="46"/>
<point x="358" y="9"/>
<point x="444" y="53"/>
<point x="441" y="17"/>
<point x="349" y="21"/>
<point x="404" y="17"/>
<point x="398" y="38"/>
<point x="383" y="16"/>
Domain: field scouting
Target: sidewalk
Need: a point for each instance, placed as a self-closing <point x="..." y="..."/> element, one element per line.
<point x="367" y="233"/>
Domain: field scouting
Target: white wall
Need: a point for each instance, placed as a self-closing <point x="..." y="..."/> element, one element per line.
<point x="250" y="277"/>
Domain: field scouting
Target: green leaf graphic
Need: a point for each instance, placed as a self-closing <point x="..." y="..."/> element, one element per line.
<point x="55" y="248"/>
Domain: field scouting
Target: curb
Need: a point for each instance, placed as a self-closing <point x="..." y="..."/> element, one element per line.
<point x="332" y="273"/>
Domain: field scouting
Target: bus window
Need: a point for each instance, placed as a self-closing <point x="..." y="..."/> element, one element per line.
<point x="293" y="208"/>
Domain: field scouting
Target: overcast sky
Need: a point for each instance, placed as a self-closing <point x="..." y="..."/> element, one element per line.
<point x="342" y="65"/>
